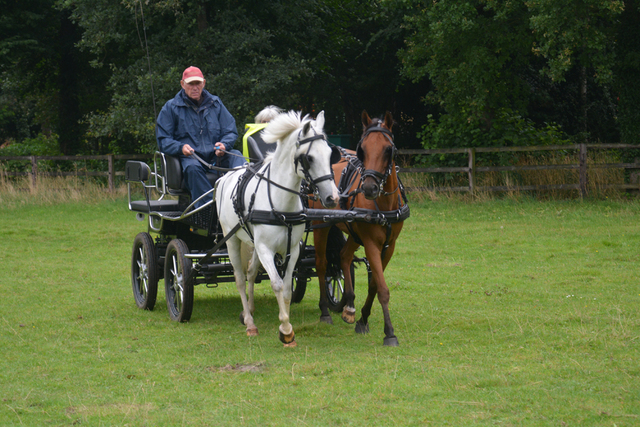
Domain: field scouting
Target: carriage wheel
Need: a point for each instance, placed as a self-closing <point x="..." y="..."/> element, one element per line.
<point x="144" y="271"/>
<point x="299" y="288"/>
<point x="300" y="275"/>
<point x="178" y="291"/>
<point x="335" y="289"/>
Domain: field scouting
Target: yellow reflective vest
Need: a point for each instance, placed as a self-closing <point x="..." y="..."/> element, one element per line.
<point x="250" y="129"/>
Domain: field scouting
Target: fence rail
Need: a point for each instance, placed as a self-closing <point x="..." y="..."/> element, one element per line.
<point x="470" y="170"/>
<point x="111" y="173"/>
<point x="582" y="166"/>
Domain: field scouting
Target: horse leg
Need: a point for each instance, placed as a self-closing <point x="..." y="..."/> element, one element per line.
<point x="390" y="339"/>
<point x="320" y="243"/>
<point x="234" y="247"/>
<point x="362" y="325"/>
<point x="252" y="273"/>
<point x="281" y="289"/>
<point x="288" y="339"/>
<point x="346" y="258"/>
<point x="380" y="287"/>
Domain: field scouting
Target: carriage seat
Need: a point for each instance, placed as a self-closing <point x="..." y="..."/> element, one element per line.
<point x="139" y="173"/>
<point x="258" y="148"/>
<point x="174" y="180"/>
<point x="171" y="182"/>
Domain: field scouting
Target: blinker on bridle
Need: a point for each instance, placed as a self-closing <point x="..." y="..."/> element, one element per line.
<point x="303" y="159"/>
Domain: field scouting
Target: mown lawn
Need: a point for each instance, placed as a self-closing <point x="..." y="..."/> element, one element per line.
<point x="511" y="313"/>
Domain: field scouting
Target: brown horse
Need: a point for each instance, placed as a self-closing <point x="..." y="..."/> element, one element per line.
<point x="369" y="184"/>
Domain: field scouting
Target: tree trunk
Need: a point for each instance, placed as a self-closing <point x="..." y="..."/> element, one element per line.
<point x="583" y="103"/>
<point x="68" y="103"/>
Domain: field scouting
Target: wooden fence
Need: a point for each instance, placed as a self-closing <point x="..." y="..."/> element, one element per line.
<point x="471" y="170"/>
<point x="110" y="173"/>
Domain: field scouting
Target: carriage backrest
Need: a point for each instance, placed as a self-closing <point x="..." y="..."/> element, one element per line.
<point x="172" y="181"/>
<point x="173" y="173"/>
<point x="136" y="171"/>
<point x="258" y="148"/>
<point x="169" y="175"/>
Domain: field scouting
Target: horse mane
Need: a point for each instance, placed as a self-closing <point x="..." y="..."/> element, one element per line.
<point x="282" y="126"/>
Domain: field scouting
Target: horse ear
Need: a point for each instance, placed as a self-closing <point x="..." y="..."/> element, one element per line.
<point x="365" y="119"/>
<point x="320" y="120"/>
<point x="388" y="120"/>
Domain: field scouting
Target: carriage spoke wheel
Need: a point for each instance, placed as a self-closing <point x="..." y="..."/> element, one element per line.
<point x="335" y="289"/>
<point x="178" y="291"/>
<point x="144" y="271"/>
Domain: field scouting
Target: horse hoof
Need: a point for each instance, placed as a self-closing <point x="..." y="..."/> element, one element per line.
<point x="349" y="315"/>
<point x="362" y="328"/>
<point x="326" y="319"/>
<point x="291" y="344"/>
<point x="287" y="339"/>
<point x="390" y="342"/>
<point x="252" y="332"/>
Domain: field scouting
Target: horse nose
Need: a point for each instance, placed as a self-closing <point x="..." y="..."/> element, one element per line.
<point x="371" y="191"/>
<point x="330" y="202"/>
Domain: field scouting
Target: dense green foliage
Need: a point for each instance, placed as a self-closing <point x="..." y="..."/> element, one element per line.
<point x="95" y="73"/>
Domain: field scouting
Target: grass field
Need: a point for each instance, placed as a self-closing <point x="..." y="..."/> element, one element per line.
<point x="510" y="313"/>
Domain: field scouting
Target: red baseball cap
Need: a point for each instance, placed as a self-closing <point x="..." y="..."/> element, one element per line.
<point x="192" y="74"/>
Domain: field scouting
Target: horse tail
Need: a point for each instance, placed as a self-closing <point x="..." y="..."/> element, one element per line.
<point x="335" y="243"/>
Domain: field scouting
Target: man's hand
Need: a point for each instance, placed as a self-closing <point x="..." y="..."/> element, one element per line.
<point x="219" y="148"/>
<point x="187" y="150"/>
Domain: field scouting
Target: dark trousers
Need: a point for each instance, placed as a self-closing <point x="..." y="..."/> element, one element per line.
<point x="195" y="174"/>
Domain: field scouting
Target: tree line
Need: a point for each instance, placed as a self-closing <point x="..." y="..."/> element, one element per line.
<point x="90" y="76"/>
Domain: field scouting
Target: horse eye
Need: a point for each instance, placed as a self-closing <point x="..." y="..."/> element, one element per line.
<point x="310" y="159"/>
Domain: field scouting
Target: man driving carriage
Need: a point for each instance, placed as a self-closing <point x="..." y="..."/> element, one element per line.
<point x="195" y="121"/>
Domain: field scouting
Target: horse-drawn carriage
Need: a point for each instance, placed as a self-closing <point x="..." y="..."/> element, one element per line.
<point x="273" y="210"/>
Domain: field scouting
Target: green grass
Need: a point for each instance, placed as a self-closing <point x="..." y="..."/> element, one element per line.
<point x="511" y="313"/>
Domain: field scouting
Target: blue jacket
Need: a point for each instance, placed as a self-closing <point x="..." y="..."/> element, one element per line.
<point x="181" y="122"/>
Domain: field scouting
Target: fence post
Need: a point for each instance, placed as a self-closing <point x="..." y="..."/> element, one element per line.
<point x="34" y="170"/>
<point x="583" y="170"/>
<point x="472" y="169"/>
<point x="111" y="173"/>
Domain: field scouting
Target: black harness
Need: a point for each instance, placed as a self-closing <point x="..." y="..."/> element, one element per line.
<point x="247" y="214"/>
<point x="355" y="168"/>
<point x="380" y="178"/>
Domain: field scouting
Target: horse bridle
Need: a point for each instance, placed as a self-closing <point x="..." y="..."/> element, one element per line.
<point x="378" y="177"/>
<point x="303" y="159"/>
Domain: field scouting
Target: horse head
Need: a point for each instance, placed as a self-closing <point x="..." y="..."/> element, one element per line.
<point x="376" y="151"/>
<point x="305" y="144"/>
<point x="313" y="159"/>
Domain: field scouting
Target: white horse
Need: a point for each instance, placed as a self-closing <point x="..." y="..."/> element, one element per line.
<point x="264" y="201"/>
